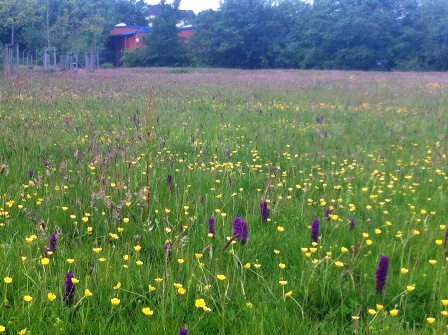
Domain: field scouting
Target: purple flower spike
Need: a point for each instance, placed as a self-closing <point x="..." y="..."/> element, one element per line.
<point x="184" y="331"/>
<point x="264" y="210"/>
<point x="381" y="274"/>
<point x="352" y="223"/>
<point x="315" y="230"/>
<point x="70" y="288"/>
<point x="30" y="174"/>
<point x="52" y="246"/>
<point x="328" y="213"/>
<point x="168" y="248"/>
<point x="446" y="238"/>
<point x="240" y="229"/>
<point x="211" y="226"/>
<point x="170" y="182"/>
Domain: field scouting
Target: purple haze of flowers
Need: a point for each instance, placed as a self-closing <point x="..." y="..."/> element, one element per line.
<point x="264" y="210"/>
<point x="169" y="179"/>
<point x="30" y="174"/>
<point x="183" y="331"/>
<point x="52" y="246"/>
<point x="315" y="230"/>
<point x="211" y="226"/>
<point x="240" y="229"/>
<point x="381" y="274"/>
<point x="352" y="223"/>
<point x="70" y="288"/>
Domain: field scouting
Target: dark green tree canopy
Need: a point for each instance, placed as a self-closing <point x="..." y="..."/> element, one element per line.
<point x="250" y="34"/>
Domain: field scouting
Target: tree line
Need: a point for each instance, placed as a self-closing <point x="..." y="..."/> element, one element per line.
<point x="248" y="34"/>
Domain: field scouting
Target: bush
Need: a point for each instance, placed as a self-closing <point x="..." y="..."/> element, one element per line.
<point x="135" y="58"/>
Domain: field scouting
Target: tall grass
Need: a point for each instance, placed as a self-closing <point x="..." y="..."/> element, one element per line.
<point x="89" y="156"/>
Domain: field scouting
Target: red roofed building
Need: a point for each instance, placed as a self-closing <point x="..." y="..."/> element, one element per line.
<point x="124" y="37"/>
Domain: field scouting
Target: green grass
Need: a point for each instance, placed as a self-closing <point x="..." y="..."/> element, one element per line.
<point x="101" y="147"/>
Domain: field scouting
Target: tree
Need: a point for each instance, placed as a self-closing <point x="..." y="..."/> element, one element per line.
<point x="80" y="25"/>
<point x="16" y="14"/>
<point x="131" y="12"/>
<point x="164" y="48"/>
<point x="238" y="35"/>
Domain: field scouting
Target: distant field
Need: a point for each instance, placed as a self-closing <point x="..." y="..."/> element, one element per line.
<point x="109" y="181"/>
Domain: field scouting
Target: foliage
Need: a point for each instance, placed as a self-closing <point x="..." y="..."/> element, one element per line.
<point x="164" y="48"/>
<point x="249" y="34"/>
<point x="135" y="58"/>
<point x="16" y="15"/>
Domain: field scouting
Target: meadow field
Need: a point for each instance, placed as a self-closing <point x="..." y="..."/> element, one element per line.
<point x="208" y="201"/>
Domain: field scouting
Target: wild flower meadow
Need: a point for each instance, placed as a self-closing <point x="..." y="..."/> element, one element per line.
<point x="223" y="202"/>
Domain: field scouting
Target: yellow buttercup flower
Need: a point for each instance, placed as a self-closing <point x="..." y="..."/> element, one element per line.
<point x="147" y="311"/>
<point x="394" y="312"/>
<point x="115" y="301"/>
<point x="199" y="303"/>
<point x="403" y="271"/>
<point x="431" y="320"/>
<point x="97" y="250"/>
<point x="45" y="261"/>
<point x="283" y="282"/>
<point x="87" y="293"/>
<point x="51" y="296"/>
<point x="7" y="280"/>
<point x="221" y="277"/>
<point x="116" y="287"/>
<point x="27" y="298"/>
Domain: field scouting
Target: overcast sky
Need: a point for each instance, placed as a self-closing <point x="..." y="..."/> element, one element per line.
<point x="195" y="5"/>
